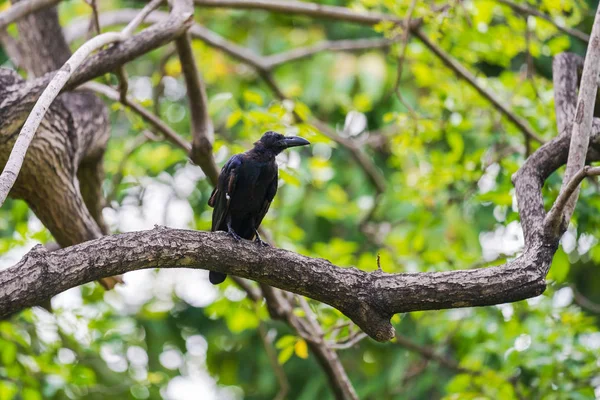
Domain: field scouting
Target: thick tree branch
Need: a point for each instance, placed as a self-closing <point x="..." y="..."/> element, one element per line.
<point x="19" y="10"/>
<point x="55" y="86"/>
<point x="582" y="124"/>
<point x="369" y="299"/>
<point x="17" y="156"/>
<point x="108" y="60"/>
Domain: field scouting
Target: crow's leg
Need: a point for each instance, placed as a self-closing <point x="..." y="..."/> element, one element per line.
<point x="259" y="240"/>
<point x="231" y="231"/>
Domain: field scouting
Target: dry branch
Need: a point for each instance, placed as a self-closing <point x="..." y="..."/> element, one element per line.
<point x="202" y="128"/>
<point x="17" y="156"/>
<point x="19" y="10"/>
<point x="582" y="126"/>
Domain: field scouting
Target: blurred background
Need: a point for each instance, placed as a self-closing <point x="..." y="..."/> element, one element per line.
<point x="446" y="156"/>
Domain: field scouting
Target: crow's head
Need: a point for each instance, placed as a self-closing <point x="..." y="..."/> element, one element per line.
<point x="276" y="142"/>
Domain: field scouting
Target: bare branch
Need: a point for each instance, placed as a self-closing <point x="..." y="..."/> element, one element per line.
<point x="584" y="302"/>
<point x="202" y="128"/>
<point x="582" y="124"/>
<point x="284" y="384"/>
<point x="152" y="119"/>
<point x="20" y="10"/>
<point x="369" y="299"/>
<point x="17" y="155"/>
<point x="526" y="10"/>
<point x="94" y="21"/>
<point x="349" y="343"/>
<point x="556" y="216"/>
<point x="463" y="73"/>
<point x="428" y="354"/>
<point x="309" y="9"/>
<point x="140" y="17"/>
<point x="276" y="60"/>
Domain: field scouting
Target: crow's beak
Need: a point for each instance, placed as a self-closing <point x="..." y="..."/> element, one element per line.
<point x="293" y="141"/>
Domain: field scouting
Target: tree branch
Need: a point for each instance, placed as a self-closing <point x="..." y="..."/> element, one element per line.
<point x="303" y="8"/>
<point x="369" y="299"/>
<point x="17" y="155"/>
<point x="582" y="126"/>
<point x="20" y="10"/>
<point x="555" y="216"/>
<point x="274" y="61"/>
<point x="55" y="86"/>
<point x="526" y="10"/>
<point x="463" y="73"/>
<point x="152" y="119"/>
<point x="202" y="128"/>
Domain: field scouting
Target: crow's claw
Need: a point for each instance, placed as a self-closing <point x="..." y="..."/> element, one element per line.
<point x="262" y="243"/>
<point x="234" y="235"/>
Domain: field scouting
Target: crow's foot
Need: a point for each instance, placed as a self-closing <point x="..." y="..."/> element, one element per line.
<point x="262" y="243"/>
<point x="234" y="235"/>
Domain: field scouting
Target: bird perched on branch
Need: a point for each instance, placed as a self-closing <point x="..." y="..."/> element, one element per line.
<point x="246" y="187"/>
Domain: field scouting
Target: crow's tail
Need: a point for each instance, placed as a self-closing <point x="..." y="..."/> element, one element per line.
<point x="216" y="277"/>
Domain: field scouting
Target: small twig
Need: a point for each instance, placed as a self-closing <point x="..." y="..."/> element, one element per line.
<point x="22" y="9"/>
<point x="429" y="354"/>
<point x="160" y="87"/>
<point x="463" y="73"/>
<point x="524" y="9"/>
<point x="123" y="84"/>
<point x="118" y="176"/>
<point x="557" y="215"/>
<point x="284" y="385"/>
<point x="379" y="263"/>
<point x="156" y="122"/>
<point x="349" y="343"/>
<point x="405" y="40"/>
<point x="140" y="17"/>
<point x="94" y="21"/>
<point x="584" y="302"/>
<point x="276" y="60"/>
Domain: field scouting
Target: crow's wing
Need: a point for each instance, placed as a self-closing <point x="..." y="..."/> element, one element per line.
<point x="221" y="195"/>
<point x="271" y="191"/>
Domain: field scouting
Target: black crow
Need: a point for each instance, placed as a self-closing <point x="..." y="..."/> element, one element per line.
<point x="246" y="188"/>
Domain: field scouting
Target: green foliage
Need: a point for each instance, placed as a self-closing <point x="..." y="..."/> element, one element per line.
<point x="448" y="157"/>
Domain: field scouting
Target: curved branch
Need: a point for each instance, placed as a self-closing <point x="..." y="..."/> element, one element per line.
<point x="369" y="299"/>
<point x="555" y="216"/>
<point x="17" y="156"/>
<point x="20" y="10"/>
